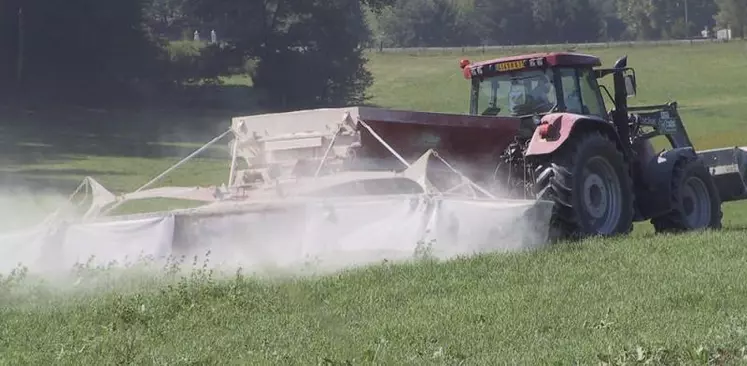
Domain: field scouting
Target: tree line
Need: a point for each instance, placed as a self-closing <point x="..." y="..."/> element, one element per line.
<point x="453" y="23"/>
<point x="298" y="53"/>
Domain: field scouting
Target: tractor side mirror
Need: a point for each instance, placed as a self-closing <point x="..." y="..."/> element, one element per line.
<point x="630" y="87"/>
<point x="621" y="63"/>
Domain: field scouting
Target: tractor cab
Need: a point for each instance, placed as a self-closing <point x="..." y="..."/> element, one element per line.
<point x="535" y="84"/>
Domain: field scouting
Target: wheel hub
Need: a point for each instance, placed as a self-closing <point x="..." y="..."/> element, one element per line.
<point x="696" y="203"/>
<point x="602" y="196"/>
<point x="595" y="196"/>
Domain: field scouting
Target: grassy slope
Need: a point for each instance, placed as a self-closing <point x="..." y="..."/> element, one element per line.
<point x="574" y="302"/>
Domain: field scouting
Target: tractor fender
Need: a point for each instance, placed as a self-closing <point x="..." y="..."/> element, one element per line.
<point x="555" y="128"/>
<point x="653" y="196"/>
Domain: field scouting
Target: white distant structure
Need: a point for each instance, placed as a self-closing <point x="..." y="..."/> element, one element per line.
<point x="213" y="37"/>
<point x="197" y="36"/>
<point x="724" y="34"/>
<point x="705" y="33"/>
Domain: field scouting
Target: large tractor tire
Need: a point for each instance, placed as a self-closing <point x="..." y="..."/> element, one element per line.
<point x="695" y="201"/>
<point x="589" y="181"/>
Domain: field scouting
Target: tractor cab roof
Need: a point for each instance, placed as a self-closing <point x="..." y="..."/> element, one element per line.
<point x="528" y="61"/>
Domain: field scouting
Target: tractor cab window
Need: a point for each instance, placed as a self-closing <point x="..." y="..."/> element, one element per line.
<point x="580" y="92"/>
<point x="593" y="102"/>
<point x="516" y="94"/>
<point x="571" y="91"/>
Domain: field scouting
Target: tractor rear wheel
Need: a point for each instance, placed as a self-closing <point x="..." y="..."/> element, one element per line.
<point x="694" y="198"/>
<point x="589" y="181"/>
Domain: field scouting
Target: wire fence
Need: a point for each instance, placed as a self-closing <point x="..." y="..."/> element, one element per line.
<point x="545" y="47"/>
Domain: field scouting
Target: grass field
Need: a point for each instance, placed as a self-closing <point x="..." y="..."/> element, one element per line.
<point x="663" y="299"/>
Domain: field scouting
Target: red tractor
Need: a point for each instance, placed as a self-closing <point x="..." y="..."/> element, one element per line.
<point x="598" y="166"/>
<point x="539" y="128"/>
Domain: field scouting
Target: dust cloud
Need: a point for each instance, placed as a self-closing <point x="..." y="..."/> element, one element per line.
<point x="306" y="238"/>
<point x="326" y="234"/>
<point x="311" y="236"/>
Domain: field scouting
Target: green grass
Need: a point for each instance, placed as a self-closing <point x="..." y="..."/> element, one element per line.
<point x="678" y="299"/>
<point x="576" y="302"/>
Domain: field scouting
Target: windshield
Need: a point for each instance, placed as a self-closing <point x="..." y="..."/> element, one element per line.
<point x="516" y="94"/>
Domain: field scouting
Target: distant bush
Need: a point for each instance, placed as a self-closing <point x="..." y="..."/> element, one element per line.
<point x="195" y="62"/>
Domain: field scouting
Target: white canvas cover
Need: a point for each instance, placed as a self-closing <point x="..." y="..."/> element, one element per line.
<point x="326" y="233"/>
<point x="465" y="226"/>
<point x="250" y="238"/>
<point x="364" y="232"/>
<point x="336" y="233"/>
<point x="121" y="241"/>
<point x="24" y="247"/>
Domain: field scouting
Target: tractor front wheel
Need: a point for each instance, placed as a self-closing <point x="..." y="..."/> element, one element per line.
<point x="589" y="182"/>
<point x="694" y="198"/>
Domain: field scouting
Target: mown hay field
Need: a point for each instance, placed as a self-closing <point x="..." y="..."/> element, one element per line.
<point x="671" y="299"/>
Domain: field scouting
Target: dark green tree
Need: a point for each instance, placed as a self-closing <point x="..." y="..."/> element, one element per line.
<point x="732" y="14"/>
<point x="9" y="38"/>
<point x="167" y="18"/>
<point x="309" y="52"/>
<point x="506" y="22"/>
<point x="428" y="23"/>
<point x="559" y="21"/>
<point x="78" y="48"/>
<point x="665" y="19"/>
